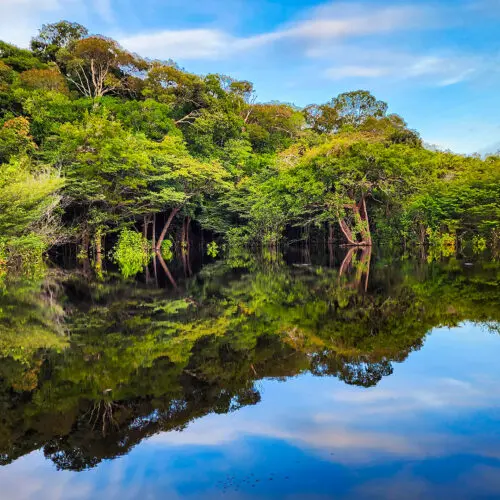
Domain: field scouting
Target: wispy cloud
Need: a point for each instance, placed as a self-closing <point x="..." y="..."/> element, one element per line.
<point x="436" y="70"/>
<point x="320" y="27"/>
<point x="180" y="44"/>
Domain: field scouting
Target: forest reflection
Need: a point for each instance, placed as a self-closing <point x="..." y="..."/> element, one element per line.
<point x="88" y="369"/>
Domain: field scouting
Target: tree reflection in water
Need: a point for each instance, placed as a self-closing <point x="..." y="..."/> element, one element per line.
<point x="89" y="369"/>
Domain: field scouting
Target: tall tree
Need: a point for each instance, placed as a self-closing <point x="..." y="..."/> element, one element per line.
<point x="53" y="37"/>
<point x="97" y="66"/>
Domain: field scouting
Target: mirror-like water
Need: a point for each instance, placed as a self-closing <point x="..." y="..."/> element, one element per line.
<point x="254" y="378"/>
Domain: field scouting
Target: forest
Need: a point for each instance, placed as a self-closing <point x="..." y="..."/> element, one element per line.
<point x="124" y="158"/>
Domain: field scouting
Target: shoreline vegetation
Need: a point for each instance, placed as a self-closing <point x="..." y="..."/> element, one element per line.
<point x="125" y="159"/>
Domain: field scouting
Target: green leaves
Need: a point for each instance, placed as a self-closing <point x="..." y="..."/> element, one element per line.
<point x="131" y="253"/>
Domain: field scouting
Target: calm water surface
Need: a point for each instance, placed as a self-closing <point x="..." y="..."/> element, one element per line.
<point x="265" y="377"/>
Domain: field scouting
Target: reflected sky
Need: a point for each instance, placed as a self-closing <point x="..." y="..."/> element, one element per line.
<point x="429" y="430"/>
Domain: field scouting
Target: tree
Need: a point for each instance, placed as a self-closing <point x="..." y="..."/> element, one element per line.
<point x="169" y="84"/>
<point x="27" y="203"/>
<point x="53" y="37"/>
<point x="6" y="76"/>
<point x="106" y="168"/>
<point x="354" y="108"/>
<point x="180" y="181"/>
<point x="97" y="66"/>
<point x="15" y="139"/>
<point x="18" y="59"/>
<point x="45" y="79"/>
<point x="273" y="126"/>
<point x="322" y="118"/>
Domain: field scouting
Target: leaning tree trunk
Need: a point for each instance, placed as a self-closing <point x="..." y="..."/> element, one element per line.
<point x="166" y="270"/>
<point x="173" y="213"/>
<point x="346" y="230"/>
<point x="361" y="220"/>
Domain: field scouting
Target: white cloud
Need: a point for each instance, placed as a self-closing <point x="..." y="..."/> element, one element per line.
<point x="434" y="70"/>
<point x="341" y="72"/>
<point x="347" y="20"/>
<point x="181" y="44"/>
<point x="320" y="28"/>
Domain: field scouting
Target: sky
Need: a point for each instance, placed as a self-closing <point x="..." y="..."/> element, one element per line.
<point x="437" y="63"/>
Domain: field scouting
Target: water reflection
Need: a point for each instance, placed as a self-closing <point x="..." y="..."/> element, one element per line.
<point x="109" y="364"/>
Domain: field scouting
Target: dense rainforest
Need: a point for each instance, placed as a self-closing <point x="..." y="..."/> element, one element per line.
<point x="124" y="158"/>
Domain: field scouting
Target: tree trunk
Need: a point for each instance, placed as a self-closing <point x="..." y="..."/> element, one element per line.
<point x="361" y="219"/>
<point x="188" y="228"/>
<point x="330" y="233"/>
<point x="331" y="255"/>
<point x="155" y="268"/>
<point x="167" y="271"/>
<point x="153" y="236"/>
<point x="346" y="230"/>
<point x="173" y="213"/>
<point x="365" y="231"/>
<point x="98" y="253"/>
<point x="85" y="252"/>
<point x="146" y="222"/>
<point x="183" y="234"/>
<point x="188" y="245"/>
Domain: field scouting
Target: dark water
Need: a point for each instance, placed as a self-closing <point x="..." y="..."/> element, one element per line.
<point x="256" y="377"/>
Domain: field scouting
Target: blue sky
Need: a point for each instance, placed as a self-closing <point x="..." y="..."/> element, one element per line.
<point x="437" y="63"/>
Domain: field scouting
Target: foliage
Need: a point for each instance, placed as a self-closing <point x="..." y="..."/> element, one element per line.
<point x="166" y="250"/>
<point x="53" y="37"/>
<point x="131" y="252"/>
<point x="137" y="141"/>
<point x="46" y="79"/>
<point x="212" y="249"/>
<point x="27" y="205"/>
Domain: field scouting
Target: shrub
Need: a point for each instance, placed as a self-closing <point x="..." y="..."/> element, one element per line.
<point x="131" y="253"/>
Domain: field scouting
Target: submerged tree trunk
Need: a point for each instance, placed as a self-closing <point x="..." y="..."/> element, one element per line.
<point x="331" y="255"/>
<point x="166" y="269"/>
<point x="173" y="213"/>
<point x="330" y="233"/>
